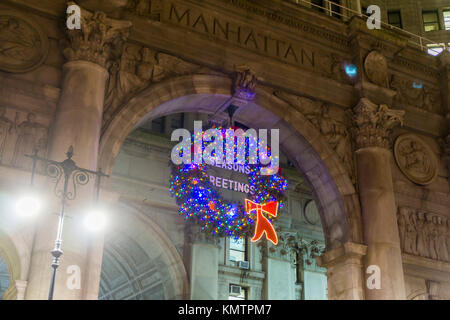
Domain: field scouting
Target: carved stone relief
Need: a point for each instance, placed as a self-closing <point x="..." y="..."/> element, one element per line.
<point x="415" y="159"/>
<point x="330" y="65"/>
<point x="23" y="44"/>
<point x="31" y="136"/>
<point x="416" y="94"/>
<point x="330" y="121"/>
<point x="138" y="68"/>
<point x="244" y="83"/>
<point x="375" y="66"/>
<point x="424" y="234"/>
<point x="20" y="138"/>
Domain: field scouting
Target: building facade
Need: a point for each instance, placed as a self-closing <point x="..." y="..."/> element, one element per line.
<point x="363" y="116"/>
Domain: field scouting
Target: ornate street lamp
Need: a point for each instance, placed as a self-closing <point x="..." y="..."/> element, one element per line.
<point x="64" y="171"/>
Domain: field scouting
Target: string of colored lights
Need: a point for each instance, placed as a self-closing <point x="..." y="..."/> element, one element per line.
<point x="201" y="203"/>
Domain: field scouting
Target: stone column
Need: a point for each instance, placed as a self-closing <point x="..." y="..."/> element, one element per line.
<point x="373" y="124"/>
<point x="77" y="123"/>
<point x="204" y="266"/>
<point x="344" y="271"/>
<point x="444" y="64"/>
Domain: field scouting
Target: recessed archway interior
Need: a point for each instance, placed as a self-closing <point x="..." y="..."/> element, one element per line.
<point x="4" y="277"/>
<point x="293" y="145"/>
<point x="294" y="148"/>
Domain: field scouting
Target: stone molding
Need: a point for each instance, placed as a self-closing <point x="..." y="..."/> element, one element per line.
<point x="373" y="124"/>
<point x="100" y="39"/>
<point x="348" y="250"/>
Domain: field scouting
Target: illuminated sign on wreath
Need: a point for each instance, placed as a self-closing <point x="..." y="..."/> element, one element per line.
<point x="198" y="196"/>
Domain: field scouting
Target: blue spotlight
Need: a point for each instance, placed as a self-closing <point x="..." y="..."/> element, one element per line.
<point x="351" y="70"/>
<point x="418" y="85"/>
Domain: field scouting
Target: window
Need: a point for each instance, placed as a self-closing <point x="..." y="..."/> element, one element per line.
<point x="335" y="9"/>
<point x="317" y="3"/>
<point x="446" y="19"/>
<point x="177" y="121"/>
<point x="243" y="295"/>
<point x="435" y="49"/>
<point x="158" y="125"/>
<point x="238" y="249"/>
<point x="395" y="19"/>
<point x="430" y="20"/>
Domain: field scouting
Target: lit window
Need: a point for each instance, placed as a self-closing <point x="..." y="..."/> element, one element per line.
<point x="447" y="19"/>
<point x="430" y="20"/>
<point x="237" y="293"/>
<point x="395" y="19"/>
<point x="238" y="249"/>
<point x="435" y="49"/>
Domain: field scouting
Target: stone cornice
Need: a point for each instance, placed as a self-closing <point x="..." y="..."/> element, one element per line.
<point x="424" y="267"/>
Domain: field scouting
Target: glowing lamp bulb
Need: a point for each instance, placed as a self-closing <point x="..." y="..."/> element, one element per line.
<point x="95" y="221"/>
<point x="28" y="206"/>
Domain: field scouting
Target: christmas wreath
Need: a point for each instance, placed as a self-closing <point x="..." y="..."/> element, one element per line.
<point x="200" y="202"/>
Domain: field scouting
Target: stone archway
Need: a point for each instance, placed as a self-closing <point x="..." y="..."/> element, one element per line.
<point x="9" y="255"/>
<point x="136" y="248"/>
<point x="335" y="195"/>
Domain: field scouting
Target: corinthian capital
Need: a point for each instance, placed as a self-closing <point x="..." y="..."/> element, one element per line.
<point x="244" y="83"/>
<point x="99" y="40"/>
<point x="373" y="124"/>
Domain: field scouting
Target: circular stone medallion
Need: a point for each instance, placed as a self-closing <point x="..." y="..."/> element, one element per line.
<point x="415" y="159"/>
<point x="23" y="44"/>
<point x="375" y="66"/>
<point x="311" y="213"/>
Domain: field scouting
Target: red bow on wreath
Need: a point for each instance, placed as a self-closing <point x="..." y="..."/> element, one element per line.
<point x="262" y="223"/>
